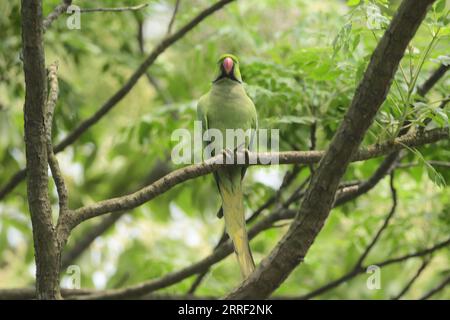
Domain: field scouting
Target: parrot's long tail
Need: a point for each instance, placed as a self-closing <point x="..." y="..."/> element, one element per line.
<point x="233" y="212"/>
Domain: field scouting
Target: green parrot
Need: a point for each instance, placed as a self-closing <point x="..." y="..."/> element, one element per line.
<point x="227" y="106"/>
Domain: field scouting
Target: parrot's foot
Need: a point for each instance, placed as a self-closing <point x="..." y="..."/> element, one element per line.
<point x="228" y="155"/>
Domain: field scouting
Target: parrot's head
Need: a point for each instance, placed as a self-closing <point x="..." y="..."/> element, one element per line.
<point x="228" y="67"/>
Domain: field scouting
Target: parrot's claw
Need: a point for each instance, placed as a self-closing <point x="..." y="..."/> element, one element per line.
<point x="229" y="155"/>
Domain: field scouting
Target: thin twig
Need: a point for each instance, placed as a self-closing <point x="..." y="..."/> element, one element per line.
<point x="435" y="290"/>
<point x="172" y="18"/>
<point x="119" y="9"/>
<point x="422" y="267"/>
<point x="222" y="252"/>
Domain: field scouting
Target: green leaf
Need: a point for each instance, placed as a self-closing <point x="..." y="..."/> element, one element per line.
<point x="440" y="117"/>
<point x="439" y="6"/>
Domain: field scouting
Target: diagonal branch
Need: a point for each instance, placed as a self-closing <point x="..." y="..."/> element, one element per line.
<point x="172" y="18"/>
<point x="438" y="288"/>
<point x="123" y="91"/>
<point x="287" y="180"/>
<point x="433" y="79"/>
<point x="62" y="8"/>
<point x="351" y="274"/>
<point x="56" y="13"/>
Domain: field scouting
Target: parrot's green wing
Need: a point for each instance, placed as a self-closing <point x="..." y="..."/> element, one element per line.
<point x="202" y="111"/>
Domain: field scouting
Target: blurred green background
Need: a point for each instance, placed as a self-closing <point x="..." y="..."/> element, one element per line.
<point x="301" y="61"/>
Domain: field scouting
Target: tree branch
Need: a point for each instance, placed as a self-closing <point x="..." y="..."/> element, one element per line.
<point x="422" y="267"/>
<point x="193" y="171"/>
<point x="119" y="9"/>
<point x="287" y="180"/>
<point x="172" y="19"/>
<point x="315" y="208"/>
<point x="123" y="91"/>
<point x="226" y="249"/>
<point x="438" y="288"/>
<point x="432" y="80"/>
<point x="58" y="11"/>
<point x="90" y="234"/>
<point x="358" y="265"/>
<point x="219" y="253"/>
<point x="45" y="242"/>
<point x="52" y="161"/>
<point x="383" y="227"/>
<point x="354" y="272"/>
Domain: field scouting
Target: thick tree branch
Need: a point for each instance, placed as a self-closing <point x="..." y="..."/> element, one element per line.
<point x="314" y="210"/>
<point x="290" y="157"/>
<point x="123" y="91"/>
<point x="45" y="242"/>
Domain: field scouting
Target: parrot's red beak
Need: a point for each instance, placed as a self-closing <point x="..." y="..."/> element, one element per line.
<point x="228" y="64"/>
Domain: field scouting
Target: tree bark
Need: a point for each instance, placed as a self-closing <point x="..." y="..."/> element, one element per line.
<point x="47" y="253"/>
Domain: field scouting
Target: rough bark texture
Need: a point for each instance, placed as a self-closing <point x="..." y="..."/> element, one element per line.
<point x="319" y="199"/>
<point x="45" y="244"/>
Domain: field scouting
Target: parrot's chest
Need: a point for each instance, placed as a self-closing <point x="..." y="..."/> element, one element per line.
<point x="229" y="110"/>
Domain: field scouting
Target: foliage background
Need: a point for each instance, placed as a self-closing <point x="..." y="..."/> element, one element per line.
<point x="301" y="61"/>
